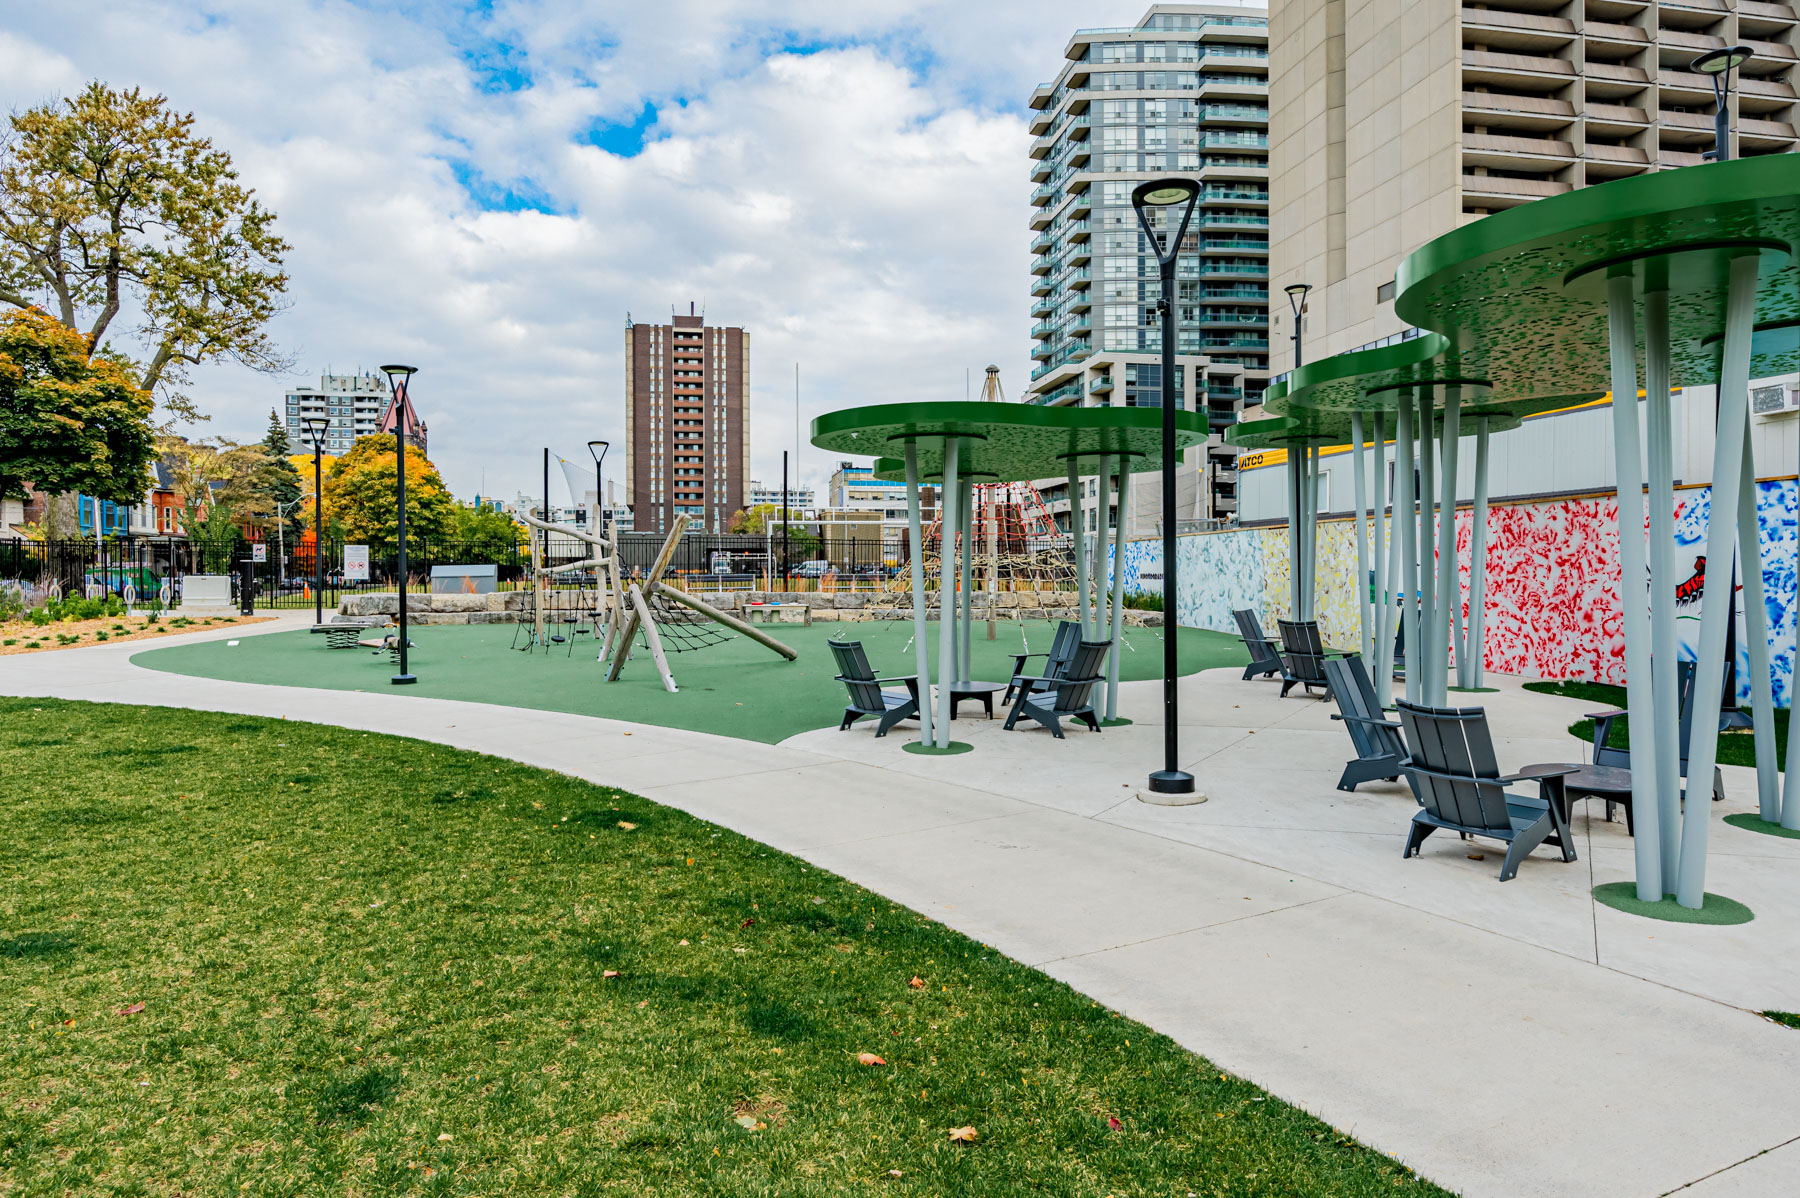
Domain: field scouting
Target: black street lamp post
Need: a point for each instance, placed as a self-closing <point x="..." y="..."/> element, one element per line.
<point x="315" y="432"/>
<point x="1296" y="293"/>
<point x="399" y="377"/>
<point x="600" y="504"/>
<point x="1168" y="195"/>
<point x="1718" y="65"/>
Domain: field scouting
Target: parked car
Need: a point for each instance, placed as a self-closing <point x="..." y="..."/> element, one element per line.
<point x="818" y="568"/>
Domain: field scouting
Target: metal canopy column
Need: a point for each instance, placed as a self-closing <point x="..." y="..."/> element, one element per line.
<point x="1622" y="328"/>
<point x="1756" y="649"/>
<point x="1118" y="598"/>
<point x="1426" y="653"/>
<point x="1408" y="556"/>
<point x="1665" y="695"/>
<point x="1716" y="604"/>
<point x="1475" y="646"/>
<point x="916" y="551"/>
<point x="1382" y="600"/>
<point x="1364" y="612"/>
<point x="1295" y="455"/>
<point x="948" y="522"/>
<point x="965" y="510"/>
<point x="1449" y="575"/>
<point x="1077" y="530"/>
<point x="1103" y="548"/>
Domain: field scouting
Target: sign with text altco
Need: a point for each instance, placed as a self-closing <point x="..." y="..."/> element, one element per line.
<point x="356" y="563"/>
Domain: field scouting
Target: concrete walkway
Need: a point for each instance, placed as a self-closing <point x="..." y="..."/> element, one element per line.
<point x="1503" y="1040"/>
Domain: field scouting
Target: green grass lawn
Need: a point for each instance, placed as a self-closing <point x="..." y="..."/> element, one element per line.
<point x="244" y="955"/>
<point x="737" y="688"/>
<point x="1737" y="747"/>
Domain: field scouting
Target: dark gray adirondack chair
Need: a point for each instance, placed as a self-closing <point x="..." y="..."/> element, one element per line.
<point x="1056" y="661"/>
<point x="1302" y="657"/>
<point x="1068" y="696"/>
<point x="1450" y="759"/>
<point x="867" y="697"/>
<point x="1605" y="754"/>
<point x="1264" y="660"/>
<point x="1379" y="749"/>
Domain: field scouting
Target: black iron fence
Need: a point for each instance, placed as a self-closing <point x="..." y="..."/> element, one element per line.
<point x="286" y="575"/>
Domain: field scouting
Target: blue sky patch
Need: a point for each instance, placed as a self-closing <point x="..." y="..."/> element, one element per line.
<point x="625" y="140"/>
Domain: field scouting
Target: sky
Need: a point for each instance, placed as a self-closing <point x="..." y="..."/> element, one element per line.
<point x="486" y="190"/>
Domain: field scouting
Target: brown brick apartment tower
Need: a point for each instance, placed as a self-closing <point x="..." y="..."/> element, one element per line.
<point x="687" y="429"/>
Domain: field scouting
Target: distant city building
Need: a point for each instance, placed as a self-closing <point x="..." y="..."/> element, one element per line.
<point x="355" y="404"/>
<point x="687" y="436"/>
<point x="797" y="497"/>
<point x="854" y="492"/>
<point x="1184" y="92"/>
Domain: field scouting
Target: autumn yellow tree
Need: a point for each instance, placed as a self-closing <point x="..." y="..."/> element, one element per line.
<point x="360" y="494"/>
<point x="111" y="203"/>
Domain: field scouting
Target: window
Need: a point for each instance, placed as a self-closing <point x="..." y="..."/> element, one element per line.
<point x="1385" y="292"/>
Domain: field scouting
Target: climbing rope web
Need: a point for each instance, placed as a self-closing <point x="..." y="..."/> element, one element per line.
<point x="683" y="629"/>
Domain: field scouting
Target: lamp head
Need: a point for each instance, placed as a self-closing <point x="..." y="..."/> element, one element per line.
<point x="1720" y="61"/>
<point x="1297" y="293"/>
<point x="399" y="375"/>
<point x="315" y="430"/>
<point x="1164" y="193"/>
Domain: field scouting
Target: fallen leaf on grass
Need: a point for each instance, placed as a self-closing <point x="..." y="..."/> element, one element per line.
<point x="895" y="1173"/>
<point x="444" y="1137"/>
<point x="133" y="1009"/>
<point x="745" y="924"/>
<point x="1113" y="1123"/>
<point x="610" y="973"/>
<point x="869" y="1058"/>
<point x="963" y="1135"/>
<point x="628" y="825"/>
<point x="749" y="1123"/>
<point x="918" y="983"/>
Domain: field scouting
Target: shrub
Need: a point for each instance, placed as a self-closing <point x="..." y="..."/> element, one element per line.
<point x="1144" y="601"/>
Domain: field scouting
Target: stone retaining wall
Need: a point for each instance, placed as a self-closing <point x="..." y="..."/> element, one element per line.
<point x="509" y="607"/>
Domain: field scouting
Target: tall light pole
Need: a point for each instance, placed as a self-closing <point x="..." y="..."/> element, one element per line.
<point x="600" y="504"/>
<point x="315" y="432"/>
<point x="1169" y="195"/>
<point x="1298" y="467"/>
<point x="1718" y="65"/>
<point x="399" y="377"/>
<point x="1296" y="293"/>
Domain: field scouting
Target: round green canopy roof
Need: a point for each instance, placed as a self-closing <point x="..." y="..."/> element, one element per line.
<point x="1333" y="428"/>
<point x="1002" y="442"/>
<point x="1373" y="380"/>
<point x="1520" y="296"/>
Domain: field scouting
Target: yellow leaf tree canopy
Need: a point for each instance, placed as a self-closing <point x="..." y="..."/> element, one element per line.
<point x="68" y="421"/>
<point x="360" y="494"/>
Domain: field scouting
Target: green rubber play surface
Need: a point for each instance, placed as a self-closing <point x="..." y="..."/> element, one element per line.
<point x="737" y="688"/>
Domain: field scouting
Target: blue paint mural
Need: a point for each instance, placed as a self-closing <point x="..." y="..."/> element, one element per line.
<point x="1778" y="540"/>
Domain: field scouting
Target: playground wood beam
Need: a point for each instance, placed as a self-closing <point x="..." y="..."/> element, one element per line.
<point x="641" y="614"/>
<point x="677" y="595"/>
<point x="663" y="556"/>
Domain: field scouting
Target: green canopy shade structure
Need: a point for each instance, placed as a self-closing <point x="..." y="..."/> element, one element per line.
<point x="956" y="443"/>
<point x="1691" y="273"/>
<point x="1377" y="394"/>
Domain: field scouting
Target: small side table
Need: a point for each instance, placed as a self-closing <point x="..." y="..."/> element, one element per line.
<point x="983" y="692"/>
<point x="1607" y="782"/>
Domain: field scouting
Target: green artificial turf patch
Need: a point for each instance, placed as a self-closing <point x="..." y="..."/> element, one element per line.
<point x="953" y="749"/>
<point x="1752" y="821"/>
<point x="259" y="956"/>
<point x="737" y="688"/>
<point x="1714" y="908"/>
<point x="1737" y="747"/>
<point x="1784" y="1018"/>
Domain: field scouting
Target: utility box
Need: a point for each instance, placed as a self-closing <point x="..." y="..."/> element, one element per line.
<point x="464" y="580"/>
<point x="205" y="592"/>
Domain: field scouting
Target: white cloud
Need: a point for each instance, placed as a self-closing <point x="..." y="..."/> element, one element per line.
<point x="860" y="208"/>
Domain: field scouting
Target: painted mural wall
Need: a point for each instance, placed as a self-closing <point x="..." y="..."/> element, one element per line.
<point x="1553" y="582"/>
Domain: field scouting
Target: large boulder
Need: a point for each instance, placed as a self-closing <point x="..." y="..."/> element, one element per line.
<point x="459" y="603"/>
<point x="370" y="603"/>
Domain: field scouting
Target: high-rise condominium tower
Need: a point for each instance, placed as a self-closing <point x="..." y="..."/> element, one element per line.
<point x="1395" y="121"/>
<point x="687" y="434"/>
<point x="1183" y="92"/>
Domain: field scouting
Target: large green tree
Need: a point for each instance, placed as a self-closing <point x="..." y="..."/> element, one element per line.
<point x="276" y="478"/>
<point x="112" y="206"/>
<point x="360" y="494"/>
<point x="69" y="421"/>
<point x="485" y="531"/>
